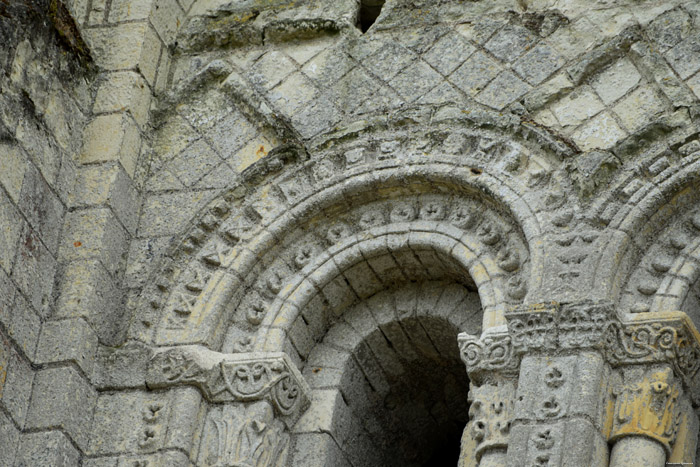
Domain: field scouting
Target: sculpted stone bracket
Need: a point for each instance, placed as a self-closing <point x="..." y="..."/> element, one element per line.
<point x="228" y="378"/>
<point x="647" y="338"/>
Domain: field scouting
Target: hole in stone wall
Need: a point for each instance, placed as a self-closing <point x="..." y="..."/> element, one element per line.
<point x="369" y="12"/>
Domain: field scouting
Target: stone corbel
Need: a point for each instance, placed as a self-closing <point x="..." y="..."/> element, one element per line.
<point x="224" y="378"/>
<point x="254" y="399"/>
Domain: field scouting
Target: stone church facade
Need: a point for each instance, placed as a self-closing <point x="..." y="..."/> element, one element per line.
<point x="349" y="233"/>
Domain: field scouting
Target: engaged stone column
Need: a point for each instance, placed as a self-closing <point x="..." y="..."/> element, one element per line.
<point x="646" y="419"/>
<point x="255" y="398"/>
<point x="582" y="379"/>
<point x="492" y="369"/>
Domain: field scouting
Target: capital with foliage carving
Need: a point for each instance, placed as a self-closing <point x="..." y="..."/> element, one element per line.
<point x="648" y="407"/>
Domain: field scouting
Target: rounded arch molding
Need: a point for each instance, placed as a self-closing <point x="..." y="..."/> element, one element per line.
<point x="473" y="199"/>
<point x="650" y="260"/>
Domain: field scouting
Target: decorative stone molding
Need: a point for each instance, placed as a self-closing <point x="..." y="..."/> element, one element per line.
<point x="648" y="338"/>
<point x="228" y="378"/>
<point x="490" y="416"/>
<point x="648" y="407"/>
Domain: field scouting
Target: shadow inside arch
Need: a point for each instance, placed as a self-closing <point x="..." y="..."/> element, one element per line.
<point x="388" y="385"/>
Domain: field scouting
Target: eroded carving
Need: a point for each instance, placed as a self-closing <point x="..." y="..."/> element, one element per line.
<point x="648" y="407"/>
<point x="225" y="378"/>
<point x="243" y="435"/>
<point x="490" y="415"/>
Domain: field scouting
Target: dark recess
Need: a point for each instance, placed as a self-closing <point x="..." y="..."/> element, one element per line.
<point x="369" y="12"/>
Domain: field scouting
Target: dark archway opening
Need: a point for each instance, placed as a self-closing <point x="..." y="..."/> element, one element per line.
<point x="402" y="388"/>
<point x="369" y="12"/>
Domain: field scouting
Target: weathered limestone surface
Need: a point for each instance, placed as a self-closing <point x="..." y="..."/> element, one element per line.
<point x="274" y="233"/>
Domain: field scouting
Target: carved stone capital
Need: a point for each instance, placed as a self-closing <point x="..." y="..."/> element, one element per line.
<point x="491" y="353"/>
<point x="244" y="377"/>
<point x="665" y="337"/>
<point x="648" y="406"/>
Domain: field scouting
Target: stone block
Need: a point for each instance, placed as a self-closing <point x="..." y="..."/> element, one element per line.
<point x="166" y="214"/>
<point x="9" y="441"/>
<point x="448" y="53"/>
<point x="62" y="398"/>
<point x="293" y="94"/>
<point x="138" y="421"/>
<point x="271" y="69"/>
<point x="616" y="81"/>
<point x="87" y="290"/>
<point x="539" y="63"/>
<point x="122" y="367"/>
<point x="415" y="81"/>
<point x="319" y="417"/>
<point x="160" y="459"/>
<point x="553" y="388"/>
<point x="124" y="90"/>
<point x="389" y="60"/>
<point x="112" y="137"/>
<point x="601" y="132"/>
<point x="34" y="271"/>
<point x="231" y="133"/>
<point x="576" y="38"/>
<point x="577" y="107"/>
<point x="19" y="319"/>
<point x="15" y="382"/>
<point x="150" y="58"/>
<point x="166" y="17"/>
<point x="329" y="66"/>
<point x="503" y="90"/>
<point x="13" y="165"/>
<point x="95" y="234"/>
<point x="68" y="340"/>
<point x="107" y="185"/>
<point x="510" y="42"/>
<point x="42" y="208"/>
<point x="639" y="108"/>
<point x="129" y="10"/>
<point x="669" y="29"/>
<point x="118" y="47"/>
<point x="567" y="443"/>
<point x="685" y="57"/>
<point x="475" y="73"/>
<point x="317" y="450"/>
<point x="47" y="448"/>
<point x="10" y="230"/>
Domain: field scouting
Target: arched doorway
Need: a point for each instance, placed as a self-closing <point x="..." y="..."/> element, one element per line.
<point x="388" y="386"/>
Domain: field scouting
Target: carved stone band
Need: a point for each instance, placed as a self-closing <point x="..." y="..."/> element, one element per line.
<point x="662" y="337"/>
<point x="244" y="377"/>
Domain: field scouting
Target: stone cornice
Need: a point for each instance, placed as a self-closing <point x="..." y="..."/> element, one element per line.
<point x="226" y="378"/>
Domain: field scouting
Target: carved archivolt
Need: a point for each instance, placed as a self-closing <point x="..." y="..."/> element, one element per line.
<point x="650" y="255"/>
<point x="261" y="251"/>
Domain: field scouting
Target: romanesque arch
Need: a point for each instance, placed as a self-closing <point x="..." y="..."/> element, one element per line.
<point x="411" y="231"/>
